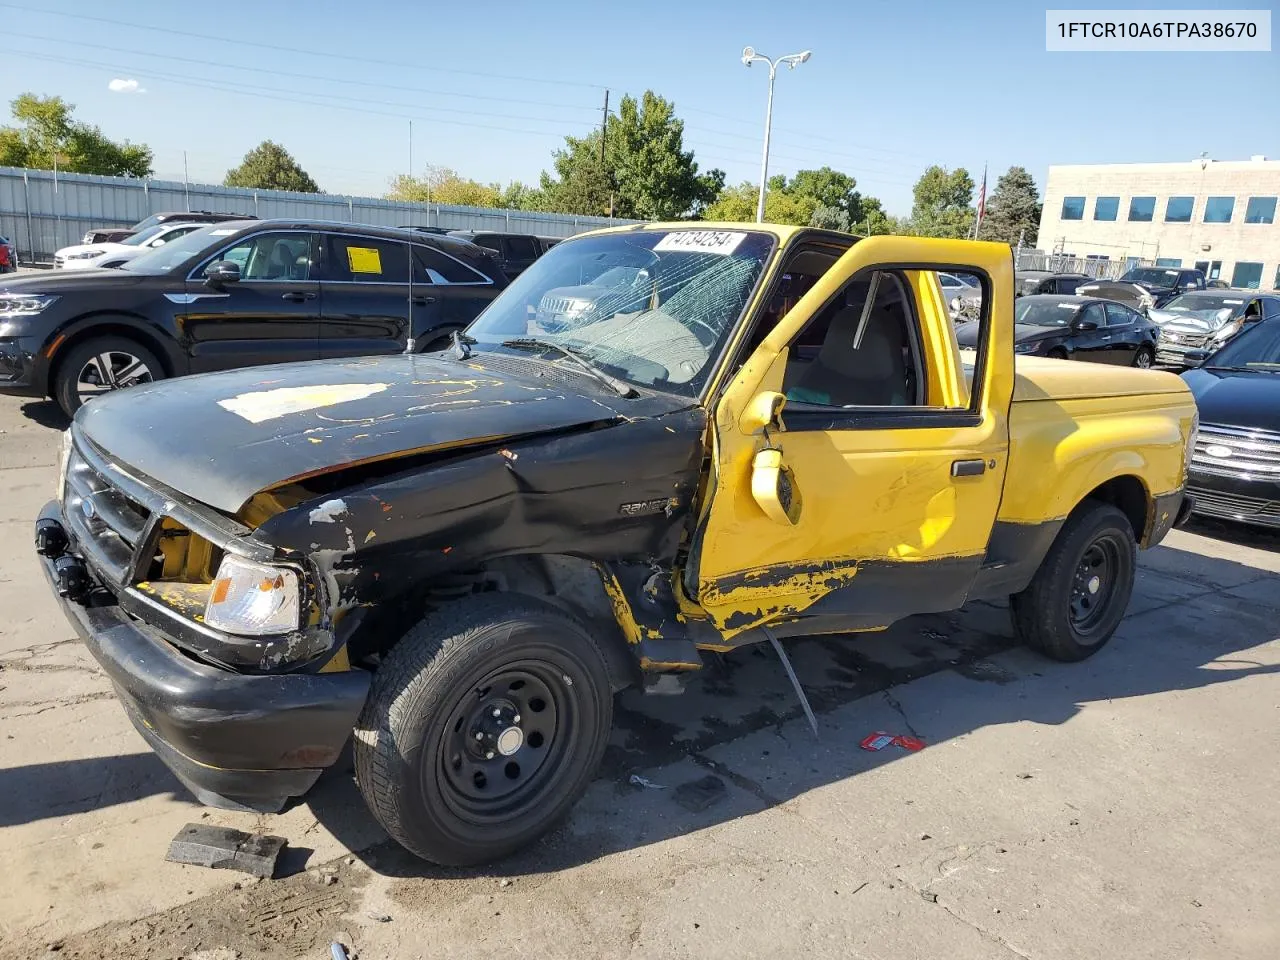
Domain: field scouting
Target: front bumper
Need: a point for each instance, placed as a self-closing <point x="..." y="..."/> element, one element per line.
<point x="1175" y="356"/>
<point x="21" y="366"/>
<point x="1255" y="502"/>
<point x="234" y="740"/>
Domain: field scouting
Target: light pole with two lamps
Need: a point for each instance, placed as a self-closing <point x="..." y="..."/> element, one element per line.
<point x="792" y="60"/>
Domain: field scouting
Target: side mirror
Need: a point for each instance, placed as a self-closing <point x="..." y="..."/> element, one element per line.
<point x="764" y="410"/>
<point x="221" y="272"/>
<point x="1084" y="326"/>
<point x="773" y="487"/>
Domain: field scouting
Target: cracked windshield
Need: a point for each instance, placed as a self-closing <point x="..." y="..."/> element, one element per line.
<point x="650" y="308"/>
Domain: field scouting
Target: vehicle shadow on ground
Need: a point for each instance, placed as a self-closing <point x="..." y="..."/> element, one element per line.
<point x="46" y="791"/>
<point x="46" y="413"/>
<point x="1241" y="534"/>
<point x="744" y="708"/>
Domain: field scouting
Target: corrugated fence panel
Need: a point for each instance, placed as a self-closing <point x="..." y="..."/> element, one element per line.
<point x="40" y="213"/>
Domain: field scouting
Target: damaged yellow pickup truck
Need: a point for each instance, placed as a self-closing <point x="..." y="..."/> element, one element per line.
<point x="660" y="441"/>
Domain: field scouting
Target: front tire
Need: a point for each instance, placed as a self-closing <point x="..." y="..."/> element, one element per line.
<point x="100" y="365"/>
<point x="1079" y="595"/>
<point x="484" y="725"/>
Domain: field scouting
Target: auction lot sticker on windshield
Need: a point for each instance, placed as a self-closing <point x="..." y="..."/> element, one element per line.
<point x="700" y="241"/>
<point x="364" y="259"/>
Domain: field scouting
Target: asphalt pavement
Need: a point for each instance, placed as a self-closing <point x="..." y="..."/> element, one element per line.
<point x="1122" y="807"/>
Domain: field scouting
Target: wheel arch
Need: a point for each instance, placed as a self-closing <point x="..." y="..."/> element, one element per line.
<point x="1128" y="493"/>
<point x="108" y="325"/>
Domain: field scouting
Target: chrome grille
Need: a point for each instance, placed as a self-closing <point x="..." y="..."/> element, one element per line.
<point x="1187" y="340"/>
<point x="1231" y="506"/>
<point x="1234" y="452"/>
<point x="106" y="524"/>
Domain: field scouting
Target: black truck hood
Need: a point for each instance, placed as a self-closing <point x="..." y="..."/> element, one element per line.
<point x="220" y="438"/>
<point x="1234" y="398"/>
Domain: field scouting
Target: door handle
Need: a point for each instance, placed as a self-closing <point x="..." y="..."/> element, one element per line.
<point x="297" y="297"/>
<point x="968" y="468"/>
<point x="421" y="301"/>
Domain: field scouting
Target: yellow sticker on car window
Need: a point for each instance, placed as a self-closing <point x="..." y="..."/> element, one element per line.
<point x="364" y="259"/>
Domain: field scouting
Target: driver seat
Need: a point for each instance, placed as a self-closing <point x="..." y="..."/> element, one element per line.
<point x="874" y="374"/>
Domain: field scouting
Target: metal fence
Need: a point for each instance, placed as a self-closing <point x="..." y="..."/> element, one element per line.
<point x="41" y="212"/>
<point x="1058" y="263"/>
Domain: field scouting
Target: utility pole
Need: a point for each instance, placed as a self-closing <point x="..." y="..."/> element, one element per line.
<point x="410" y="149"/>
<point x="604" y="129"/>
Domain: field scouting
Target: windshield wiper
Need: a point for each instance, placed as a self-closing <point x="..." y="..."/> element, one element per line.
<point x="614" y="384"/>
<point x="462" y="345"/>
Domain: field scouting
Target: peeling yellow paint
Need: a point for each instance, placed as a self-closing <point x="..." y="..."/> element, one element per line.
<point x="621" y="609"/>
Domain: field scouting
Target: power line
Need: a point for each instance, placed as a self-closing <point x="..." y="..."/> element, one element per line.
<point x="345" y="81"/>
<point x="230" y="87"/>
<point x="277" y="48"/>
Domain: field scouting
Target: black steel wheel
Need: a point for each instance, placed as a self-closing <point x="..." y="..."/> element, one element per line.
<point x="102" y="365"/>
<point x="483" y="727"/>
<point x="1079" y="595"/>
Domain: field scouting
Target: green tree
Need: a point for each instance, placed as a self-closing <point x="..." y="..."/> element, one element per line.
<point x="581" y="185"/>
<point x="738" y="204"/>
<point x="831" y="189"/>
<point x="646" y="172"/>
<point x="47" y="135"/>
<point x="521" y="196"/>
<point x="943" y="203"/>
<point x="1013" y="210"/>
<point x="830" y="218"/>
<point x="269" y="166"/>
<point x="445" y="185"/>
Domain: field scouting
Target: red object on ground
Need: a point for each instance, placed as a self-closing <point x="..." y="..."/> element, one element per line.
<point x="879" y="740"/>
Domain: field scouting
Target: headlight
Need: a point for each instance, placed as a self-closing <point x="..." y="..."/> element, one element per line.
<point x="1192" y="437"/>
<point x="252" y="598"/>
<point x="64" y="458"/>
<point x="1230" y="330"/>
<point x="23" y="305"/>
<point x="1026" y="347"/>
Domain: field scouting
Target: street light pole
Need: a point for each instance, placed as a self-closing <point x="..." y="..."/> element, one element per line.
<point x="749" y="56"/>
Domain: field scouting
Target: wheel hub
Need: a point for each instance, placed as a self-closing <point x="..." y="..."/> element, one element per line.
<point x="1095" y="583"/>
<point x="496" y="730"/>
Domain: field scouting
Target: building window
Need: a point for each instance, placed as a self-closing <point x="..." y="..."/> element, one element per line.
<point x="1106" y="208"/>
<point x="1260" y="210"/>
<point x="1247" y="276"/>
<point x="1168" y="261"/>
<point x="1275" y="284"/>
<point x="1142" y="209"/>
<point x="1096" y="256"/>
<point x="1219" y="209"/>
<point x="1073" y="208"/>
<point x="1131" y="262"/>
<point x="1178" y="209"/>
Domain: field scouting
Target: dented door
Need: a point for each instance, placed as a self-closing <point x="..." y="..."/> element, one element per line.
<point x="826" y="515"/>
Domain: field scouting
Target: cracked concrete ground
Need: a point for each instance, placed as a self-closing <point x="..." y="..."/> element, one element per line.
<point x="1124" y="806"/>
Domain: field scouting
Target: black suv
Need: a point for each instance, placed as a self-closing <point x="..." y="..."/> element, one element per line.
<point x="516" y="251"/>
<point x="239" y="294"/>
<point x="116" y="234"/>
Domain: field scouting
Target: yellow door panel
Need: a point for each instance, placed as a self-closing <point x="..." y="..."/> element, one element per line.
<point x="892" y="507"/>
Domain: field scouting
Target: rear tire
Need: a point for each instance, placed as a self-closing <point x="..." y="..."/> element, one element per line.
<point x="485" y="724"/>
<point x="1057" y="353"/>
<point x="1144" y="358"/>
<point x="101" y="365"/>
<point x="1079" y="595"/>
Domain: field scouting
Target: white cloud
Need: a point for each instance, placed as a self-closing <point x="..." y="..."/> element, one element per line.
<point x="125" y="86"/>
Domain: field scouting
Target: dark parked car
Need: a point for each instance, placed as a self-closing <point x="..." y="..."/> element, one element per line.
<point x="516" y="251"/>
<point x="1235" y="470"/>
<point x="1194" y="325"/>
<point x="116" y="234"/>
<point x="1145" y="287"/>
<point x="8" y="256"/>
<point x="236" y="295"/>
<point x="1077" y="328"/>
<point x="1028" y="283"/>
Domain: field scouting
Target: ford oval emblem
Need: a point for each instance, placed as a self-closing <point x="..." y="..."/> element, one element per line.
<point x="87" y="508"/>
<point x="1218" y="450"/>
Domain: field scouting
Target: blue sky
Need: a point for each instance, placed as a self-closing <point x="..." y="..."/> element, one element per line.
<point x="493" y="87"/>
